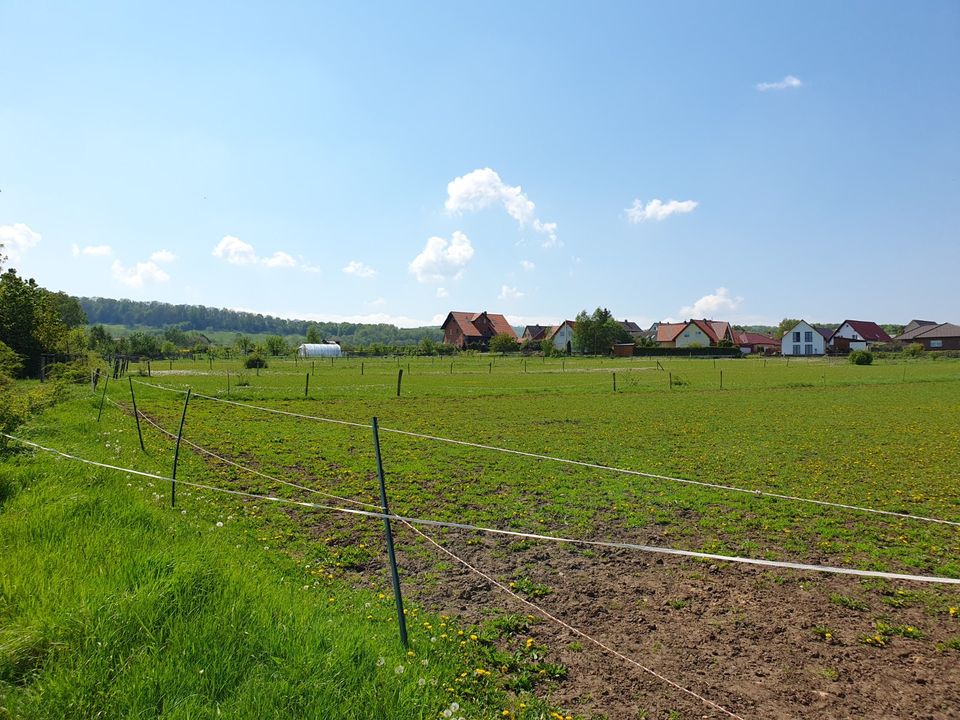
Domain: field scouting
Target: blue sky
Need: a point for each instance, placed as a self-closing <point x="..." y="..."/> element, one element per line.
<point x="390" y="161"/>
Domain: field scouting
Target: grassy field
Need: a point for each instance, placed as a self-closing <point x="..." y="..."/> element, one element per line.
<point x="885" y="436"/>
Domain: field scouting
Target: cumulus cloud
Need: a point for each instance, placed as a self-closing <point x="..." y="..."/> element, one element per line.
<point x="140" y="274"/>
<point x="442" y="292"/>
<point x="482" y="188"/>
<point x="17" y="239"/>
<point x="657" y="209"/>
<point x="710" y="306"/>
<point x="377" y="302"/>
<point x="527" y="265"/>
<point x="237" y="252"/>
<point x="441" y="259"/>
<point x="163" y="256"/>
<point x="509" y="293"/>
<point x="355" y="267"/>
<point x="93" y="250"/>
<point x="790" y="81"/>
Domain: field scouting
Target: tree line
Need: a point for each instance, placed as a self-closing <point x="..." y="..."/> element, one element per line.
<point x="199" y="318"/>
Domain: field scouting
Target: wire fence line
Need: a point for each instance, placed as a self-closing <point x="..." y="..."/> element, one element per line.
<point x="235" y="464"/>
<point x="578" y="463"/>
<point x="655" y="549"/>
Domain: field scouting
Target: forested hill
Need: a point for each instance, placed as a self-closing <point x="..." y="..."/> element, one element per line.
<point x="200" y="318"/>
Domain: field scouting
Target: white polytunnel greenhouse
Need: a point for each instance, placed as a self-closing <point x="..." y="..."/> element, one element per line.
<point x="313" y="350"/>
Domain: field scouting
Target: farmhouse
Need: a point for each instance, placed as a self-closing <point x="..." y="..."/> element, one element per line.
<point x="561" y="336"/>
<point x="750" y="342"/>
<point x="857" y="335"/>
<point x="942" y="336"/>
<point x="474" y="330"/>
<point x="534" y="333"/>
<point x="631" y="328"/>
<point x="694" y="333"/>
<point x="803" y="339"/>
<point x="315" y="350"/>
<point x="916" y="325"/>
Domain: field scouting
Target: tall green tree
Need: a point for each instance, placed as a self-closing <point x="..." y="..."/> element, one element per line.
<point x="313" y="334"/>
<point x="595" y="333"/>
<point x="275" y="345"/>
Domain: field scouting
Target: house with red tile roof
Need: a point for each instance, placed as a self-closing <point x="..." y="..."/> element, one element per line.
<point x="698" y="333"/>
<point x="474" y="330"/>
<point x="857" y="335"/>
<point x="753" y="343"/>
<point x="561" y="336"/>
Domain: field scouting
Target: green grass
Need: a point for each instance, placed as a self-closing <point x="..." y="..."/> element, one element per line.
<point x="114" y="605"/>
<point x="96" y="557"/>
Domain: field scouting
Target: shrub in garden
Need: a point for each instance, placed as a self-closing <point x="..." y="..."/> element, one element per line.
<point x="254" y="361"/>
<point x="861" y="357"/>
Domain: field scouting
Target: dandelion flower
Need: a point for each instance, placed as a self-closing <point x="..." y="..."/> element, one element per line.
<point x="381" y="661"/>
<point x="399" y="669"/>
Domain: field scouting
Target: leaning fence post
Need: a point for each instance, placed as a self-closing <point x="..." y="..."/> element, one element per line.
<point x="136" y="415"/>
<point x="306" y="388"/>
<point x="399" y="380"/>
<point x="614" y="382"/>
<point x="106" y="379"/>
<point x="394" y="575"/>
<point x="176" y="453"/>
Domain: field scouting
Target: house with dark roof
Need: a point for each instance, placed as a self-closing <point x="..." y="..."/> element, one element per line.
<point x="693" y="333"/>
<point x="857" y="335"/>
<point x="942" y="336"/>
<point x="804" y="339"/>
<point x="473" y="330"/>
<point x="631" y="328"/>
<point x="915" y="325"/>
<point x="534" y="333"/>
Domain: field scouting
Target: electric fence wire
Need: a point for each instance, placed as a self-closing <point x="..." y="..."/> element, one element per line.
<point x="782" y="564"/>
<point x="578" y="463"/>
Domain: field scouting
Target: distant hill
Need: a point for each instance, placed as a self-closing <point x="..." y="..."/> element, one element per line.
<point x="159" y="315"/>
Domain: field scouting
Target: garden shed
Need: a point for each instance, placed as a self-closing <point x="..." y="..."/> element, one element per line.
<point x="315" y="350"/>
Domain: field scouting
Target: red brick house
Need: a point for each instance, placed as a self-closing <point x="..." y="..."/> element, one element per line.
<point x="473" y="330"/>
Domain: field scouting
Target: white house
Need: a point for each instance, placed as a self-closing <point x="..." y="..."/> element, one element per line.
<point x="314" y="350"/>
<point x="803" y="339"/>
<point x="858" y="335"/>
<point x="562" y="336"/>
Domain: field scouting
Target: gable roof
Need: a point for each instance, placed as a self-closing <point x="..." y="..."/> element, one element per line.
<point x="534" y="332"/>
<point x="752" y="338"/>
<point x="630" y="326"/>
<point x="466" y="322"/>
<point x="721" y="329"/>
<point x="869" y="331"/>
<point x="917" y="324"/>
<point x="556" y="328"/>
<point x="943" y="330"/>
<point x="667" y="332"/>
<point x="919" y="327"/>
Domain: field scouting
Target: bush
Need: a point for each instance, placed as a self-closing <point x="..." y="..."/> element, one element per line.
<point x="861" y="357"/>
<point x="254" y="361"/>
<point x="72" y="372"/>
<point x="10" y="362"/>
<point x="913" y="350"/>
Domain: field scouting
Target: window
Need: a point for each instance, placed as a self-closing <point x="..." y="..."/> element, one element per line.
<point x="808" y="336"/>
<point x="796" y="336"/>
<point x="808" y="349"/>
<point x="936" y="344"/>
<point x="796" y="348"/>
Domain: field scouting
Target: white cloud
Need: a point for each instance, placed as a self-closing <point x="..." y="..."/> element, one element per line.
<point x="17" y="239"/>
<point x="657" y="209"/>
<point x="355" y="267"/>
<point x="237" y="252"/>
<point x="509" y="293"/>
<point x="278" y="259"/>
<point x="790" y="81"/>
<point x="163" y="256"/>
<point x="442" y="292"/>
<point x="481" y="188"/>
<point x="94" y="250"/>
<point x="440" y="259"/>
<point x="710" y="306"/>
<point x="527" y="265"/>
<point x="140" y="274"/>
<point x="377" y="302"/>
